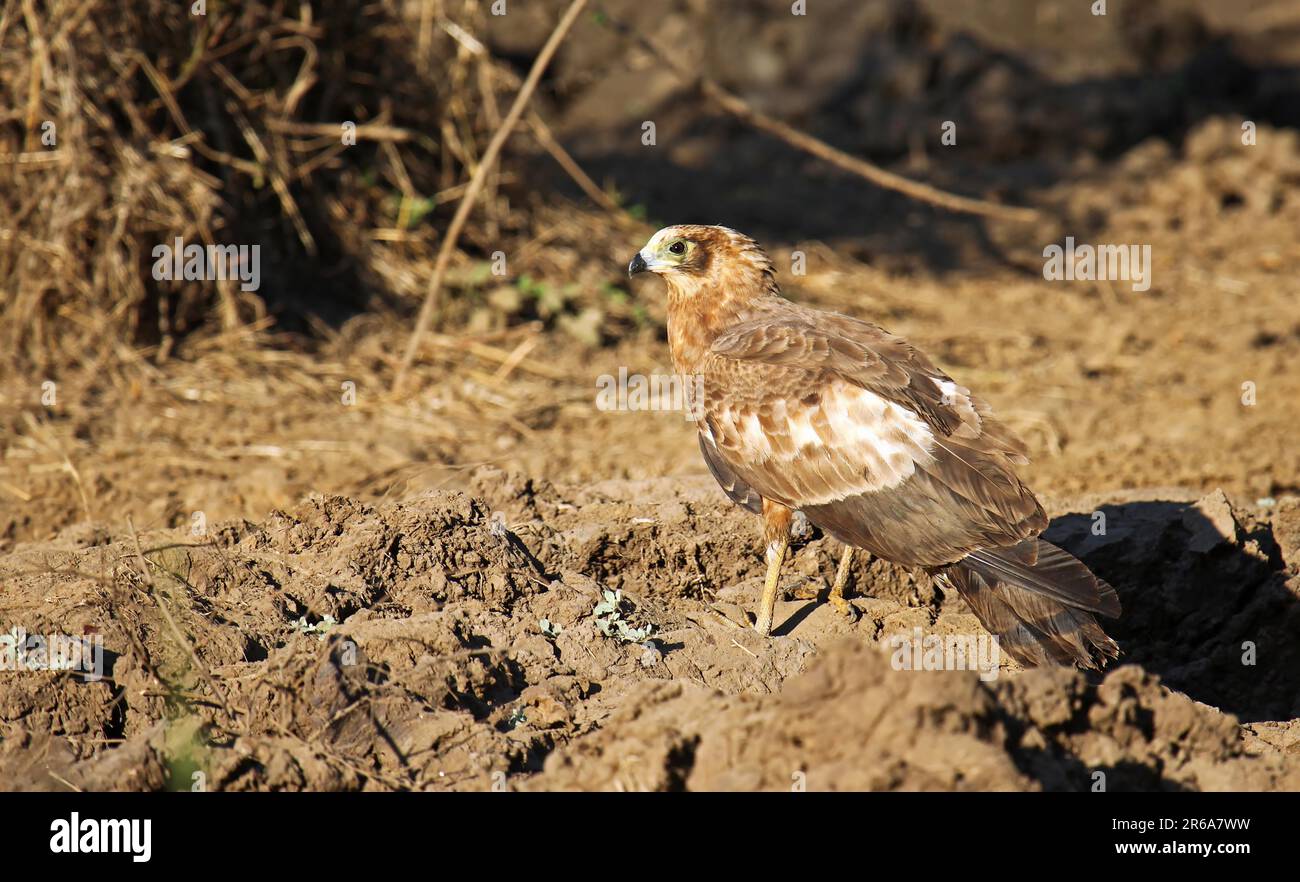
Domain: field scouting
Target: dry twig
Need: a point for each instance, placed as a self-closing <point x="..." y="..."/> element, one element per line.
<point x="488" y="161"/>
<point x="741" y="109"/>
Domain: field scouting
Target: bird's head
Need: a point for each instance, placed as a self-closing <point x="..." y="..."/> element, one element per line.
<point x="692" y="257"/>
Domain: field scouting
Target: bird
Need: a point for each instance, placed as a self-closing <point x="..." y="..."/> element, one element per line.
<point x="801" y="410"/>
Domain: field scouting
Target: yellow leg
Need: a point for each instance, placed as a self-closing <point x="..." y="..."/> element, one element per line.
<point x="842" y="574"/>
<point x="775" y="558"/>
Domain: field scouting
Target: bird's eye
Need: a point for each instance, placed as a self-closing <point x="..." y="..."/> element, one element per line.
<point x="677" y="247"/>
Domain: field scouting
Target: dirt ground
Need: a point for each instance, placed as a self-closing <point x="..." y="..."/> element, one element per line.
<point x="303" y="582"/>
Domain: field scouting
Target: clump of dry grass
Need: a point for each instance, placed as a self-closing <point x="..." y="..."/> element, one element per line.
<point x="129" y="125"/>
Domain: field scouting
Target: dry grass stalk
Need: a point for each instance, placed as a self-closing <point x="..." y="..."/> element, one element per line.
<point x="431" y="299"/>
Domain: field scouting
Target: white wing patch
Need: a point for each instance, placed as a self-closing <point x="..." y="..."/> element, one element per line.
<point x="753" y="436"/>
<point x="855" y="440"/>
<point x="958" y="398"/>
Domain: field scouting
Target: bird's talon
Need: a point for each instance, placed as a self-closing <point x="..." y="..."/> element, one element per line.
<point x="844" y="608"/>
<point x="806" y="591"/>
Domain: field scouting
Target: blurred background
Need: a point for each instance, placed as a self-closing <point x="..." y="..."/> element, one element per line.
<point x="123" y="126"/>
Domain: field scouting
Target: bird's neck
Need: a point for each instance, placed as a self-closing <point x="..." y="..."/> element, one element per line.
<point x="700" y="310"/>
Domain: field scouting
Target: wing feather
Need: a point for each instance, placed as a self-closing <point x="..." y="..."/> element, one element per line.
<point x="869" y="356"/>
<point x="737" y="490"/>
<point x="874" y="412"/>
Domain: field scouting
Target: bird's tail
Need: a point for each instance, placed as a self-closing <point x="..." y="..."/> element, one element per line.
<point x="1039" y="601"/>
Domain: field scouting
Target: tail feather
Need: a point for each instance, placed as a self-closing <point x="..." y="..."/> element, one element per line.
<point x="1042" y="567"/>
<point x="1039" y="601"/>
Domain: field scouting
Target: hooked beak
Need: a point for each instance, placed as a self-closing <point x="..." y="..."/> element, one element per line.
<point x="636" y="266"/>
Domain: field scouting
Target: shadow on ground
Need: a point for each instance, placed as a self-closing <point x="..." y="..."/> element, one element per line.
<point x="1208" y="603"/>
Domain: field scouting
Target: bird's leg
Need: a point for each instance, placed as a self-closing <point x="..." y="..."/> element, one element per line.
<point x="776" y="531"/>
<point x="842" y="574"/>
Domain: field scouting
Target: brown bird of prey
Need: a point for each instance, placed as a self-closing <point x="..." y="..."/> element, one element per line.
<point x="812" y="411"/>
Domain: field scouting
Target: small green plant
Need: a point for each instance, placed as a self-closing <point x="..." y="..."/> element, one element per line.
<point x="416" y="210"/>
<point x="516" y="718"/>
<point x="550" y="300"/>
<point x="550" y="629"/>
<point x="479" y="273"/>
<point x="610" y="621"/>
<point x="530" y="287"/>
<point x="319" y="628"/>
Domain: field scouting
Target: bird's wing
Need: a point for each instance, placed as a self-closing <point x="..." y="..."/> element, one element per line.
<point x="737" y="490"/>
<point x="870" y="357"/>
<point x="863" y="433"/>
